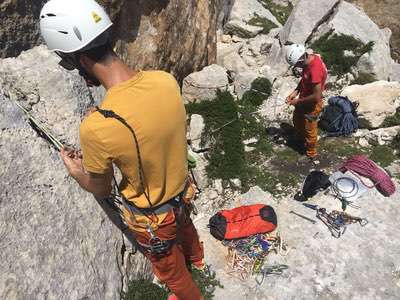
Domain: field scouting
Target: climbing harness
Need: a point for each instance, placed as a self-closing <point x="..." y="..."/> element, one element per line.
<point x="336" y="221"/>
<point x="248" y="256"/>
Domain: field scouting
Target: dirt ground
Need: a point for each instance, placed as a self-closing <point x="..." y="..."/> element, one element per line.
<point x="385" y="13"/>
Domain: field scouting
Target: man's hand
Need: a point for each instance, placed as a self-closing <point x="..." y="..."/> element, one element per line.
<point x="292" y="100"/>
<point x="97" y="184"/>
<point x="73" y="161"/>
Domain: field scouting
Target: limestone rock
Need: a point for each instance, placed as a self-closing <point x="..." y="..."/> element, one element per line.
<point x="234" y="64"/>
<point x="244" y="11"/>
<point x="197" y="126"/>
<point x="276" y="108"/>
<point x="243" y="82"/>
<point x="382" y="136"/>
<point x="56" y="242"/>
<point x="204" y="84"/>
<point x="377" y="101"/>
<point x="395" y="72"/>
<point x="350" y="21"/>
<point x="305" y="17"/>
<point x="146" y="32"/>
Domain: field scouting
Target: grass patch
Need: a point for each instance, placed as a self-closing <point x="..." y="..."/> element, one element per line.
<point x="392" y="120"/>
<point x="280" y="12"/>
<point x="341" y="147"/>
<point x="332" y="48"/>
<point x="396" y="142"/>
<point x="364" y="78"/>
<point x="263" y="22"/>
<point x="382" y="155"/>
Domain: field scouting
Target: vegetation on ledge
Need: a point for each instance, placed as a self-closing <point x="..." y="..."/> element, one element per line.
<point x="280" y="12"/>
<point x="340" y="52"/>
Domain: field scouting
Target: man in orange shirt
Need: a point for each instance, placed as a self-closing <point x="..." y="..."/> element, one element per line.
<point x="307" y="97"/>
<point x="140" y="127"/>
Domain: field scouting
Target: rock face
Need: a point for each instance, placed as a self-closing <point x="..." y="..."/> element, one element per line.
<point x="306" y="15"/>
<point x="350" y="21"/>
<point x="56" y="242"/>
<point x="377" y="101"/>
<point x="385" y="14"/>
<point x="20" y="28"/>
<point x="248" y="18"/>
<point x="177" y="35"/>
<point x="204" y="84"/>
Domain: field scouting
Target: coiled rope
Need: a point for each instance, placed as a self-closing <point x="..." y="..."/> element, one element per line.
<point x="363" y="166"/>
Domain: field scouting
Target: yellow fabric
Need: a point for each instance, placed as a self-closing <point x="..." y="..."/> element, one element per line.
<point x="151" y="104"/>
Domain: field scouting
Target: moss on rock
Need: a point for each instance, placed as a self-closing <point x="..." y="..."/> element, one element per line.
<point x="280" y="12"/>
<point x="364" y="78"/>
<point x="263" y="22"/>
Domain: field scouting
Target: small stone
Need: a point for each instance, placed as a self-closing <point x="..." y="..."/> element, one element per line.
<point x="226" y="38"/>
<point x="363" y="142"/>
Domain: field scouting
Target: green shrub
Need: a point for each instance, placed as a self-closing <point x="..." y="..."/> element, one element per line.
<point x="206" y="281"/>
<point x="261" y="89"/>
<point x="259" y="21"/>
<point x="392" y="120"/>
<point x="332" y="48"/>
<point x="227" y="154"/>
<point x="144" y="290"/>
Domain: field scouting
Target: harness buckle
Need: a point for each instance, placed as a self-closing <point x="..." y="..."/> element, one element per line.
<point x="156" y="245"/>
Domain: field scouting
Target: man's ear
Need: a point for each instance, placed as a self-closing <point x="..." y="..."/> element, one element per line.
<point x="85" y="62"/>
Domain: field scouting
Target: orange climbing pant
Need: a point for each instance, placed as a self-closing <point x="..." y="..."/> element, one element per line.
<point x="306" y="125"/>
<point x="171" y="268"/>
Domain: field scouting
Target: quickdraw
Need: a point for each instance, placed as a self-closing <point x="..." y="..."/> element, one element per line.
<point x="336" y="221"/>
<point x="248" y="256"/>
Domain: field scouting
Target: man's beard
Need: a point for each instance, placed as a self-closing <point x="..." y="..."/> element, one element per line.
<point x="90" y="79"/>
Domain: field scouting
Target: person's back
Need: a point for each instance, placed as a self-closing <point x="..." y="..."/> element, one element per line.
<point x="151" y="104"/>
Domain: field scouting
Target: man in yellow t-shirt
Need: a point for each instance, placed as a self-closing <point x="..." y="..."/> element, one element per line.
<point x="140" y="127"/>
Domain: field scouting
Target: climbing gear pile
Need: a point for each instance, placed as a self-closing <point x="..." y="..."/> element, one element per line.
<point x="361" y="165"/>
<point x="248" y="256"/>
<point x="336" y="221"/>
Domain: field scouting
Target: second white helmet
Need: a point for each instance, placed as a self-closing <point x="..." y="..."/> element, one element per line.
<point x="71" y="25"/>
<point x="294" y="52"/>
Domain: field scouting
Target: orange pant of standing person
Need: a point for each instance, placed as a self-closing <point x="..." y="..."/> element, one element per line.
<point x="306" y="125"/>
<point x="171" y="268"/>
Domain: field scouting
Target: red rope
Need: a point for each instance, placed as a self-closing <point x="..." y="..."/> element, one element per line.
<point x="367" y="168"/>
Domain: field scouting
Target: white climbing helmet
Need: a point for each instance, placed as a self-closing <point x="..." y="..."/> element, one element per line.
<point x="294" y="52"/>
<point x="70" y="25"/>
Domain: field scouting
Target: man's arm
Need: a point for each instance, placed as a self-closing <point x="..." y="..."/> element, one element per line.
<point x="97" y="184"/>
<point x="294" y="94"/>
<point x="316" y="96"/>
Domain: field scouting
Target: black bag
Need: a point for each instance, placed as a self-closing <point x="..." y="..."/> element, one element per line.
<point x="331" y="118"/>
<point x="315" y="182"/>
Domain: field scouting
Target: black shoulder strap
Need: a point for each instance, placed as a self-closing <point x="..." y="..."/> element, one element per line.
<point x="112" y="114"/>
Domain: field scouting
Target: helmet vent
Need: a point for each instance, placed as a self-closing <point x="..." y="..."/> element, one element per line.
<point x="77" y="33"/>
<point x="51" y="15"/>
<point x="63" y="32"/>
